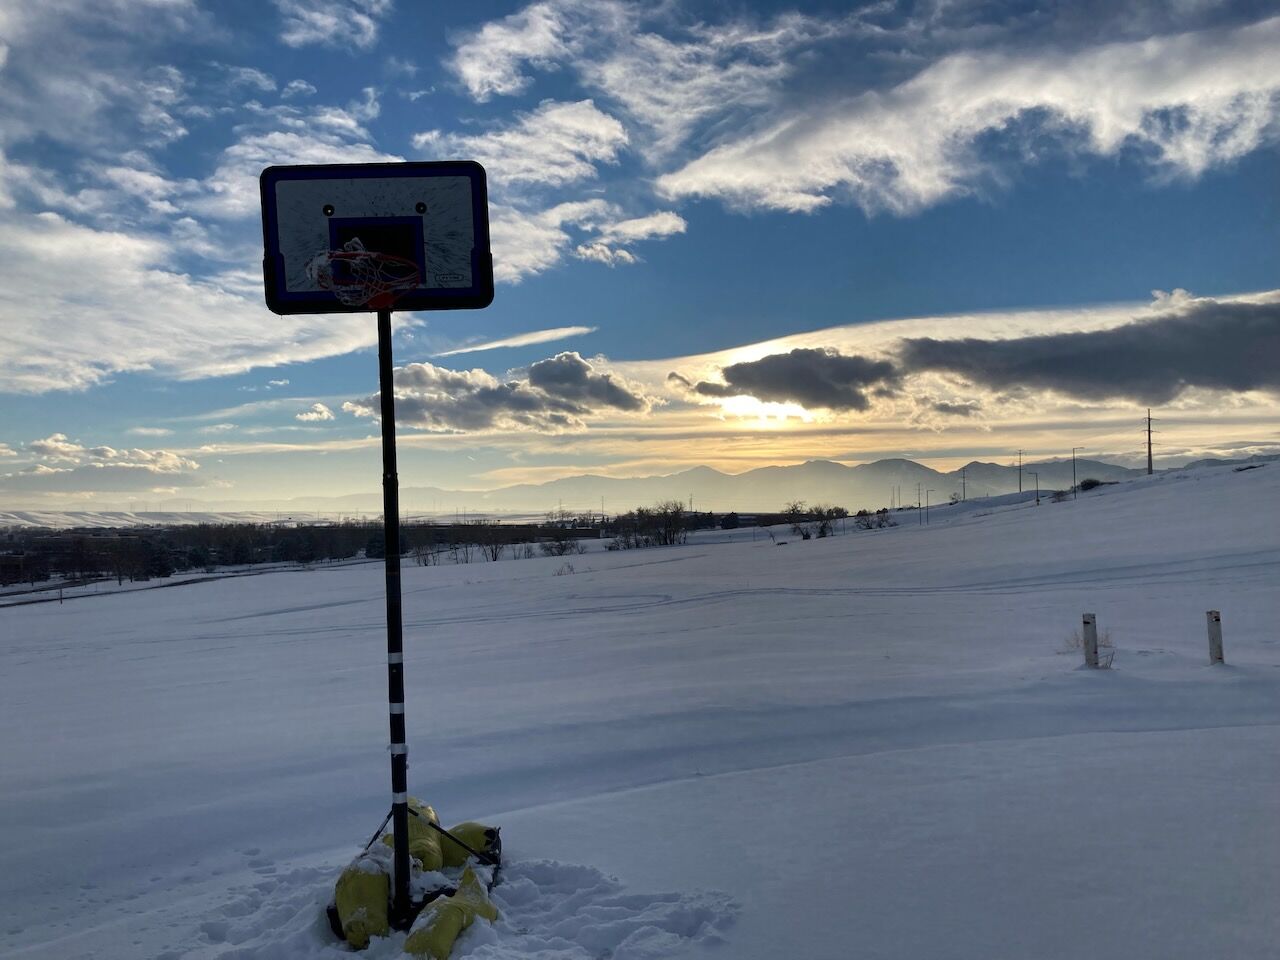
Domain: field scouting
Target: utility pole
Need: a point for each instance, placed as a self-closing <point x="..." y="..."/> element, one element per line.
<point x="1019" y="471"/>
<point x="964" y="493"/>
<point x="1074" y="486"/>
<point x="1149" y="471"/>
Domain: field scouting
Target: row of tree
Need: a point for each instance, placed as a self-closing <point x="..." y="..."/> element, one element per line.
<point x="142" y="554"/>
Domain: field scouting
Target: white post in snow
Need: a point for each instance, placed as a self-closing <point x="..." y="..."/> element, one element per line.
<point x="1090" y="640"/>
<point x="1215" y="636"/>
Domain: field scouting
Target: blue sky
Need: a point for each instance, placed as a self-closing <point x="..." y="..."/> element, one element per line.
<point x="722" y="234"/>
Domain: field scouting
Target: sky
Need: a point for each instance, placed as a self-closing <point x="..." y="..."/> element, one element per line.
<point x="724" y="234"/>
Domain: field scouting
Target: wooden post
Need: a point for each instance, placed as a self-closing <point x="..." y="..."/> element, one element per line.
<point x="1090" y="640"/>
<point x="1215" y="636"/>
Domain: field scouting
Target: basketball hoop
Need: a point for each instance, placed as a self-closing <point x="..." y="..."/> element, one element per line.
<point x="363" y="278"/>
<point x="361" y="237"/>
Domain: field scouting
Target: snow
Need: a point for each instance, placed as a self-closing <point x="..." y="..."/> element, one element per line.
<point x="881" y="744"/>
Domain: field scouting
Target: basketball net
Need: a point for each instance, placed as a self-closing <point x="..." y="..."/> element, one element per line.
<point x="363" y="278"/>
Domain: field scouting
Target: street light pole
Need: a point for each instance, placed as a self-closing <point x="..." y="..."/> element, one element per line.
<point x="1074" y="485"/>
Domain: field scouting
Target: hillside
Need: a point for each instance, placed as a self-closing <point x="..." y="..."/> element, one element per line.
<point x="884" y="738"/>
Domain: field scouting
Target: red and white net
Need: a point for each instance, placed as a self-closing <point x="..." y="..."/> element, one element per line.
<point x="363" y="278"/>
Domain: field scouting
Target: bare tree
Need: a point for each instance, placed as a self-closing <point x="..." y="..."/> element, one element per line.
<point x="491" y="539"/>
<point x="560" y="533"/>
<point x="796" y="514"/>
<point x="825" y="517"/>
<point x="426" y="551"/>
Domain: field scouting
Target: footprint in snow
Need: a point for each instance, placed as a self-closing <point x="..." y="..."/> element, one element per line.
<point x="547" y="910"/>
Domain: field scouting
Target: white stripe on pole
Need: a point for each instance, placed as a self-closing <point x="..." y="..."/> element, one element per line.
<point x="397" y="708"/>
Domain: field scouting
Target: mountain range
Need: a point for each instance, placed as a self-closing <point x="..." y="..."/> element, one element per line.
<point x="868" y="485"/>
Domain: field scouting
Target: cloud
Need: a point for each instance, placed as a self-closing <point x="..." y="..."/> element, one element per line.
<point x="614" y="236"/>
<point x="1150" y="356"/>
<point x="1184" y="103"/>
<point x="332" y="23"/>
<point x="558" y="396"/>
<point x="251" y="77"/>
<point x="96" y="478"/>
<point x="669" y="83"/>
<point x="316" y="412"/>
<point x="218" y="428"/>
<point x="1206" y="343"/>
<point x="272" y="384"/>
<point x="528" y="242"/>
<point x="232" y="189"/>
<point x="673" y="86"/>
<point x="84" y="304"/>
<point x="521" y="340"/>
<point x="809" y="377"/>
<point x="101" y="468"/>
<point x="150" y="431"/>
<point x="964" y="408"/>
<point x="568" y="376"/>
<point x="556" y="144"/>
<point x="56" y="447"/>
<point x="295" y="89"/>
<point x="659" y="225"/>
<point x="490" y="61"/>
<point x="603" y="253"/>
<point x="112" y="89"/>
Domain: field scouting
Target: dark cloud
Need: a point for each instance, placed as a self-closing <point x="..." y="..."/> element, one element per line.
<point x="809" y="377"/>
<point x="562" y="392"/>
<point x="966" y="408"/>
<point x="1205" y="343"/>
<point x="569" y="377"/>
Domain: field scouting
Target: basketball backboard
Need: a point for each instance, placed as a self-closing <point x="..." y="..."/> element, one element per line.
<point x="348" y="238"/>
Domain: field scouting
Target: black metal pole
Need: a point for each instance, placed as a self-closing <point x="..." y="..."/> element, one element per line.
<point x="395" y="629"/>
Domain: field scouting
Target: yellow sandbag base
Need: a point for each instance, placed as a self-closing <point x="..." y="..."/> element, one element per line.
<point x="362" y="896"/>
<point x="424" y="843"/>
<point x="442" y="922"/>
<point x="477" y="836"/>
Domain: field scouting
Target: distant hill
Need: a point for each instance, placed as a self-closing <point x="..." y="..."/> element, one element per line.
<point x="865" y="485"/>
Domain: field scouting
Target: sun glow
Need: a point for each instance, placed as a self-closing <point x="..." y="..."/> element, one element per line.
<point x="763" y="413"/>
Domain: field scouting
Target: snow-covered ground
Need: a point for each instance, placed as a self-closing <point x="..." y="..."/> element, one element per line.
<point x="878" y="745"/>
